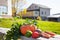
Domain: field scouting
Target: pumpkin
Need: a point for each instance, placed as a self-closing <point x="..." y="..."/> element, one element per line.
<point x="24" y="28"/>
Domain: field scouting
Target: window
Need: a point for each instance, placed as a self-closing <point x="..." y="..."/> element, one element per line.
<point x="36" y="12"/>
<point x="42" y="12"/>
<point x="45" y="13"/>
<point x="35" y="6"/>
<point x="3" y="10"/>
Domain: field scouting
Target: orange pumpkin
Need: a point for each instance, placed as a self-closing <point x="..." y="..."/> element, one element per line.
<point x="24" y="28"/>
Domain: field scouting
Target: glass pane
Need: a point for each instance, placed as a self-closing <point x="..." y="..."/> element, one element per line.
<point x="3" y="6"/>
<point x="3" y="9"/>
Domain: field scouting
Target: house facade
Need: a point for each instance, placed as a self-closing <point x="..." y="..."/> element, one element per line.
<point x="35" y="10"/>
<point x="3" y="7"/>
<point x="10" y="7"/>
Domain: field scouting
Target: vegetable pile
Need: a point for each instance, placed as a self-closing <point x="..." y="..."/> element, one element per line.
<point x="28" y="29"/>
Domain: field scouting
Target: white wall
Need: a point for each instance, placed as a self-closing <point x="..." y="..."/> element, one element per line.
<point x="44" y="10"/>
<point x="3" y="9"/>
<point x="9" y="7"/>
<point x="36" y="13"/>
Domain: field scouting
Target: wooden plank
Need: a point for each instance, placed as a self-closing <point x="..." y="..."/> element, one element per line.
<point x="28" y="14"/>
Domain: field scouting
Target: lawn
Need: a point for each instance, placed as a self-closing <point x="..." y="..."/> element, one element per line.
<point x="43" y="25"/>
<point x="49" y="26"/>
<point x="7" y="22"/>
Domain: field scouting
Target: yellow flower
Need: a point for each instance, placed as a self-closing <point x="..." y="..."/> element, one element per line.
<point x="24" y="11"/>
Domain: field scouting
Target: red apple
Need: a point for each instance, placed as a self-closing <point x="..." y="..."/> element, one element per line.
<point x="35" y="34"/>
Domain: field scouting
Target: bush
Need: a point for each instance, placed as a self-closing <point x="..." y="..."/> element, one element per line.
<point x="39" y="18"/>
<point x="14" y="33"/>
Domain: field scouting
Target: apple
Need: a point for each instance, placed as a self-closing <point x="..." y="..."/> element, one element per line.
<point x="35" y="34"/>
<point x="28" y="33"/>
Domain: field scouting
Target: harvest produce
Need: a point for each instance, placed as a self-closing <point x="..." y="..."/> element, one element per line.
<point x="51" y="33"/>
<point x="38" y="30"/>
<point x="35" y="34"/>
<point x="27" y="30"/>
<point x="28" y="34"/>
<point x="24" y="28"/>
<point x="45" y="35"/>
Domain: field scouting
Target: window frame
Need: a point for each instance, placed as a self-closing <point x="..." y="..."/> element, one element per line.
<point x="42" y="13"/>
<point x="4" y="10"/>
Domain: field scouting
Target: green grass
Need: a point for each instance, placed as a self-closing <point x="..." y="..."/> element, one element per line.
<point x="6" y="22"/>
<point x="43" y="25"/>
<point x="49" y="26"/>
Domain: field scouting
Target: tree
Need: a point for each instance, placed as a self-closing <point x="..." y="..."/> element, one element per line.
<point x="17" y="6"/>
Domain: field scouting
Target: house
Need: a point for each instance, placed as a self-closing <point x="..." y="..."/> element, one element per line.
<point x="6" y="7"/>
<point x="54" y="17"/>
<point x="35" y="10"/>
<point x="9" y="7"/>
<point x="3" y="7"/>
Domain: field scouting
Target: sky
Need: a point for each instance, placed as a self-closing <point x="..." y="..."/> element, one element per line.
<point x="53" y="4"/>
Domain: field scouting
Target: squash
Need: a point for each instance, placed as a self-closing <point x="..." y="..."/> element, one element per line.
<point x="24" y="28"/>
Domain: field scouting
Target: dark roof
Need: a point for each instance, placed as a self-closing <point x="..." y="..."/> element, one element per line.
<point x="42" y="6"/>
<point x="57" y="14"/>
<point x="36" y="6"/>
